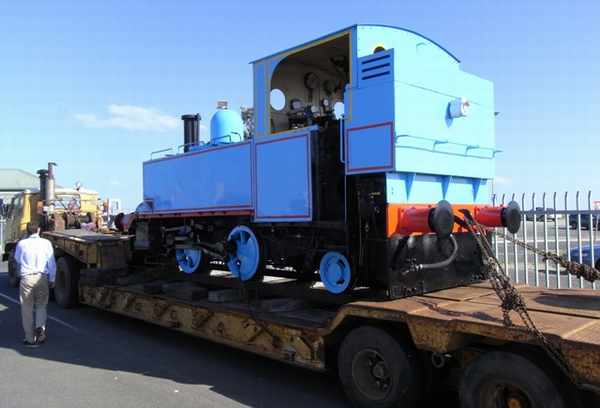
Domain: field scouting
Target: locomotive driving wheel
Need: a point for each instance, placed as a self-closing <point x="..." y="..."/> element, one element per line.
<point x="336" y="274"/>
<point x="191" y="260"/>
<point x="244" y="254"/>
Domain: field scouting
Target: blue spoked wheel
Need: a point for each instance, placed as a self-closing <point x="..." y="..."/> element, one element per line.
<point x="335" y="272"/>
<point x="244" y="263"/>
<point x="188" y="259"/>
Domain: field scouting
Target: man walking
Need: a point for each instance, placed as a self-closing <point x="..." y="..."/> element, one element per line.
<point x="37" y="267"/>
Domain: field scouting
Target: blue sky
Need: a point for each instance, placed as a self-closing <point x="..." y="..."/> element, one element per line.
<point x="96" y="86"/>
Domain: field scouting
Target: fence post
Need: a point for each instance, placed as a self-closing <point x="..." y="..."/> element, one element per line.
<point x="568" y="233"/>
<point x="535" y="237"/>
<point x="525" y="254"/>
<point x="579" y="234"/>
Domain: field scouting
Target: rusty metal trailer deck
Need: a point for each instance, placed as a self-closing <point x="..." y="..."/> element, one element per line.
<point x="441" y="335"/>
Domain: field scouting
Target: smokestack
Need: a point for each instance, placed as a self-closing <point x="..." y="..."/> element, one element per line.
<point x="50" y="184"/>
<point x="47" y="184"/>
<point x="43" y="175"/>
<point x="191" y="131"/>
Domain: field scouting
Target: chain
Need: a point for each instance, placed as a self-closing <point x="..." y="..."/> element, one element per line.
<point x="510" y="298"/>
<point x="580" y="270"/>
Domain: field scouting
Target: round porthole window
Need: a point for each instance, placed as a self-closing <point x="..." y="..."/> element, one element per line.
<point x="277" y="99"/>
<point x="338" y="109"/>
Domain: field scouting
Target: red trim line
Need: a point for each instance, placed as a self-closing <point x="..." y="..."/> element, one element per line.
<point x="350" y="170"/>
<point x="194" y="214"/>
<point x="282" y="216"/>
<point x="213" y="208"/>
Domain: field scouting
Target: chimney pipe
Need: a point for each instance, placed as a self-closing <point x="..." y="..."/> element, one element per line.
<point x="50" y="184"/>
<point x="47" y="184"/>
<point x="43" y="175"/>
<point x="191" y="131"/>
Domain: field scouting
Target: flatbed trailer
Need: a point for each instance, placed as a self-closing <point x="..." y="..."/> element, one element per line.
<point x="386" y="352"/>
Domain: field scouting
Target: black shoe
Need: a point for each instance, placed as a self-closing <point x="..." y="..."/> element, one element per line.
<point x="40" y="335"/>
<point x="30" y="344"/>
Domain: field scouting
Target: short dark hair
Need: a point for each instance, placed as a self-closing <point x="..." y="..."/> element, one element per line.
<point x="32" y="229"/>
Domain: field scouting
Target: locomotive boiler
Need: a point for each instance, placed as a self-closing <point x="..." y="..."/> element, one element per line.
<point x="359" y="142"/>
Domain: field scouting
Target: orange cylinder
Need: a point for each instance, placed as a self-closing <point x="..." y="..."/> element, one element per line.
<point x="508" y="216"/>
<point x="489" y="216"/>
<point x="438" y="219"/>
<point x="415" y="220"/>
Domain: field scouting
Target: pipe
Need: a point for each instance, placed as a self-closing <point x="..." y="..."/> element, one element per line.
<point x="445" y="262"/>
<point x="191" y="131"/>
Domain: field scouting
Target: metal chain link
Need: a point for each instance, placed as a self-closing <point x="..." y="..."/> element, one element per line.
<point x="510" y="298"/>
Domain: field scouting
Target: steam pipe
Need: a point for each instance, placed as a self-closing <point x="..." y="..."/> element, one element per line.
<point x="445" y="262"/>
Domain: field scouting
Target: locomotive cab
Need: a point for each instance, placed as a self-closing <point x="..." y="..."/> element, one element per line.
<point x="305" y="86"/>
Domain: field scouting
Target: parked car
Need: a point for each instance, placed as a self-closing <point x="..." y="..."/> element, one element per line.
<point x="539" y="214"/>
<point x="586" y="254"/>
<point x="585" y="221"/>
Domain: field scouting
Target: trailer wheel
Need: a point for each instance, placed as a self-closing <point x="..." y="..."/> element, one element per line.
<point x="378" y="371"/>
<point x="13" y="270"/>
<point x="504" y="379"/>
<point x="66" y="290"/>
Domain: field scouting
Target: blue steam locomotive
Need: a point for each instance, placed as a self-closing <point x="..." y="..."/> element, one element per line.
<point x="343" y="173"/>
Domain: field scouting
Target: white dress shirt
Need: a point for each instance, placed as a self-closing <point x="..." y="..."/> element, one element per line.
<point x="36" y="255"/>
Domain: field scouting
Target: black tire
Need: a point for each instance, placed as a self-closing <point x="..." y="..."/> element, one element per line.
<point x="13" y="270"/>
<point x="597" y="264"/>
<point x="66" y="290"/>
<point x="376" y="370"/>
<point x="497" y="377"/>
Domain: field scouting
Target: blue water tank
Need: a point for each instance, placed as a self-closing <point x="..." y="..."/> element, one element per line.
<point x="226" y="127"/>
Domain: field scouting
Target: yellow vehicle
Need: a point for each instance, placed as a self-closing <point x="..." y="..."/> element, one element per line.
<point x="51" y="209"/>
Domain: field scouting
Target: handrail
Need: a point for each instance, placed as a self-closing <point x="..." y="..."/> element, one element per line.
<point x="200" y="144"/>
<point x="160" y="151"/>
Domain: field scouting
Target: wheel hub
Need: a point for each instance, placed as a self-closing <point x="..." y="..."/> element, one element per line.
<point x="371" y="374"/>
<point x="509" y="396"/>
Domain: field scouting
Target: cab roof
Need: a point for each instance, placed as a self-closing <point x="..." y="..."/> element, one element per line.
<point x="352" y="27"/>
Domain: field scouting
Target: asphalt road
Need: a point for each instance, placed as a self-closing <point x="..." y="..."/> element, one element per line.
<point x="97" y="359"/>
